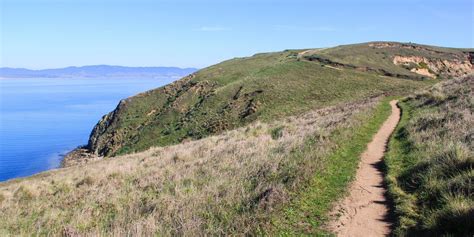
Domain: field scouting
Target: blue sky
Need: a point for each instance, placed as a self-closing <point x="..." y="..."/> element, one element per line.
<point x="57" y="33"/>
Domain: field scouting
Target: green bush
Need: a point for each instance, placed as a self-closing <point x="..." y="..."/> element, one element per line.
<point x="277" y="132"/>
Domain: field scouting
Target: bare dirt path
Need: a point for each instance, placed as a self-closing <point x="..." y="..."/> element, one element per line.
<point x="365" y="211"/>
<point x="309" y="51"/>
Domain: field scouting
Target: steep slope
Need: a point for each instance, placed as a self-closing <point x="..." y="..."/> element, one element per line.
<point x="265" y="86"/>
<point x="236" y="183"/>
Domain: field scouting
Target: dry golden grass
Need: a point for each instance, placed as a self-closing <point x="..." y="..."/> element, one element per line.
<point x="223" y="184"/>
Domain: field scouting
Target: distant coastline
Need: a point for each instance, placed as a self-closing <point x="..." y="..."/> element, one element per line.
<point x="97" y="71"/>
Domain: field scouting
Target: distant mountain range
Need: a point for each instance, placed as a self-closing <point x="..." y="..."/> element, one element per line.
<point x="98" y="71"/>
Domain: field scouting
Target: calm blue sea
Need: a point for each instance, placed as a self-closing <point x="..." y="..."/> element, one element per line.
<point x="42" y="119"/>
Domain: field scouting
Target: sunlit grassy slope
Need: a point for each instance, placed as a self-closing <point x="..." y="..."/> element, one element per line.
<point x="265" y="86"/>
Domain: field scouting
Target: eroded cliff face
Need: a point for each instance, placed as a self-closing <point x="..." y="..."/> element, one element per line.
<point x="432" y="62"/>
<point x="393" y="59"/>
<point x="435" y="67"/>
<point x="100" y="142"/>
<point x="110" y="134"/>
<point x="175" y="112"/>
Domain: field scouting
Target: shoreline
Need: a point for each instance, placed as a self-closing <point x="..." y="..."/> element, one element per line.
<point x="78" y="156"/>
<point x="75" y="157"/>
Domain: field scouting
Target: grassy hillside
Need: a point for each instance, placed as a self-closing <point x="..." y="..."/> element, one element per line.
<point x="266" y="144"/>
<point x="431" y="162"/>
<point x="244" y="181"/>
<point x="265" y="86"/>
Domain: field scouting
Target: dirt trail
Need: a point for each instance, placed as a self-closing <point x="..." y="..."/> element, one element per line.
<point x="309" y="51"/>
<point x="365" y="211"/>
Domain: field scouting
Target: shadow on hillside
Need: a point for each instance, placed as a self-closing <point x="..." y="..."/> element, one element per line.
<point x="390" y="217"/>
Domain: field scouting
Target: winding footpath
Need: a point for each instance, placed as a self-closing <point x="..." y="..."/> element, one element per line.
<point x="365" y="211"/>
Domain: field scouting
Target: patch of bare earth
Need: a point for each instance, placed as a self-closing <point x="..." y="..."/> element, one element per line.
<point x="307" y="52"/>
<point x="365" y="211"/>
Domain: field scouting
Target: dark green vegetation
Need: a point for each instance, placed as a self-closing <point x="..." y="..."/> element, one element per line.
<point x="265" y="86"/>
<point x="431" y="162"/>
<point x="308" y="209"/>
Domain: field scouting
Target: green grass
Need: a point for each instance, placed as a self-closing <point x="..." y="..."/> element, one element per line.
<point x="277" y="132"/>
<point x="308" y="210"/>
<point x="430" y="162"/>
<point x="239" y="91"/>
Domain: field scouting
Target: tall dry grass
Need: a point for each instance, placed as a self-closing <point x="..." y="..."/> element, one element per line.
<point x="431" y="162"/>
<point x="220" y="185"/>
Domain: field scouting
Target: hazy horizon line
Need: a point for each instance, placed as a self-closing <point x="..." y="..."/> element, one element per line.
<point x="95" y="65"/>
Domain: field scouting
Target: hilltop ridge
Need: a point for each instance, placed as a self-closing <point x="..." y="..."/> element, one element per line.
<point x="270" y="85"/>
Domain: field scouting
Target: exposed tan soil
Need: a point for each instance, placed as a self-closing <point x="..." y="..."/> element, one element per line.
<point x="310" y="51"/>
<point x="435" y="66"/>
<point x="365" y="211"/>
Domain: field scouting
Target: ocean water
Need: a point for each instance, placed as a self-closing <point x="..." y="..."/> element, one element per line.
<point x="42" y="119"/>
